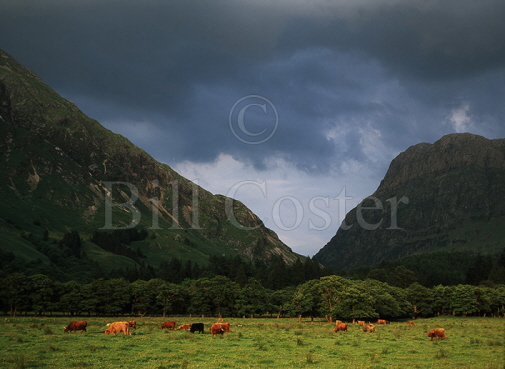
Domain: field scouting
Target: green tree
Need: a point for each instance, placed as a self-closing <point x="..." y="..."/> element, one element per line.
<point x="214" y="296"/>
<point x="442" y="299"/>
<point x="168" y="296"/>
<point x="281" y="300"/>
<point x="120" y="299"/>
<point x="14" y="292"/>
<point x="421" y="300"/>
<point x="464" y="300"/>
<point x="40" y="291"/>
<point x="329" y="289"/>
<point x="355" y="302"/>
<point x="497" y="300"/>
<point x="145" y="296"/>
<point x="306" y="300"/>
<point x="71" y="298"/>
<point x="278" y="277"/>
<point x="252" y="299"/>
<point x="387" y="304"/>
<point x="402" y="277"/>
<point x="379" y="275"/>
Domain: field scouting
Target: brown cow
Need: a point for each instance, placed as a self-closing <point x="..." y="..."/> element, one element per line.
<point x="117" y="327"/>
<point x="225" y="326"/>
<point x="361" y="322"/>
<point x="369" y="328"/>
<point x="185" y="327"/>
<point x="77" y="325"/>
<point x="410" y="322"/>
<point x="340" y="327"/>
<point x="216" y="329"/>
<point x="382" y="321"/>
<point x="438" y="333"/>
<point x="167" y="325"/>
<point x="132" y="324"/>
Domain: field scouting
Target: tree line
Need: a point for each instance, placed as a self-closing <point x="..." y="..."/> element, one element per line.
<point x="333" y="297"/>
<point x="68" y="261"/>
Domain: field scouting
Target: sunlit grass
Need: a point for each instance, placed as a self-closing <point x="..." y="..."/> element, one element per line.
<point x="252" y="343"/>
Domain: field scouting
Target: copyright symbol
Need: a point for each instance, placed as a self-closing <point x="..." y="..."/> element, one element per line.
<point x="253" y="119"/>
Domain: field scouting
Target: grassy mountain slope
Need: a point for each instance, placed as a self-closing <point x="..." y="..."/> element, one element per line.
<point x="453" y="200"/>
<point x="55" y="166"/>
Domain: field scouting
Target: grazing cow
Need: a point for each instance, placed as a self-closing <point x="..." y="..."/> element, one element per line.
<point x="225" y="326"/>
<point x="77" y="325"/>
<point x="410" y="322"/>
<point x="216" y="329"/>
<point x="382" y="321"/>
<point x="361" y="322"/>
<point x="185" y="327"/>
<point x="196" y="327"/>
<point x="117" y="327"/>
<point x="167" y="325"/>
<point x="438" y="333"/>
<point x="369" y="328"/>
<point x="340" y="327"/>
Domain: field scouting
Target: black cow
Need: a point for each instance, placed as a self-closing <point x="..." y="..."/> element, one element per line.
<point x="196" y="327"/>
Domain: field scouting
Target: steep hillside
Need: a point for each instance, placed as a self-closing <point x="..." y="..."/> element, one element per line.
<point x="448" y="196"/>
<point x="61" y="171"/>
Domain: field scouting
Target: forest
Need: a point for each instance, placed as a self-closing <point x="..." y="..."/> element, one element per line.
<point x="69" y="261"/>
<point x="333" y="297"/>
<point x="416" y="286"/>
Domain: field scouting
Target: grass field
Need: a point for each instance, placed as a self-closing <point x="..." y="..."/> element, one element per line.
<point x="252" y="343"/>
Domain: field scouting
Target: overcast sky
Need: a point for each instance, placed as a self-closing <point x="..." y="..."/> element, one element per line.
<point x="294" y="107"/>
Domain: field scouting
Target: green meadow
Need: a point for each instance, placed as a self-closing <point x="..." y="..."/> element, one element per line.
<point x="29" y="342"/>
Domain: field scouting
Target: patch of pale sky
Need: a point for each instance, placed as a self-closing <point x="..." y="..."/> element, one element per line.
<point x="460" y="120"/>
<point x="305" y="210"/>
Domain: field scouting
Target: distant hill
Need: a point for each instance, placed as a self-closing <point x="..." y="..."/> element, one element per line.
<point x="64" y="178"/>
<point x="449" y="196"/>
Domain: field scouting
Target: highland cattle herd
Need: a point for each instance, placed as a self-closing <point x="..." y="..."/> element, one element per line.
<point x="222" y="327"/>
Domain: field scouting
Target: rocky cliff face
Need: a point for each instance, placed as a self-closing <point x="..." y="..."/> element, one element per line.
<point x="446" y="196"/>
<point x="58" y="169"/>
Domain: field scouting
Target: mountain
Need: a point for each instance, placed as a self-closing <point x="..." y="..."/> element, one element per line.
<point x="68" y="186"/>
<point x="446" y="196"/>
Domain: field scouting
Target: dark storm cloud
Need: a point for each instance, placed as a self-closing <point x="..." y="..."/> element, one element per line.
<point x="427" y="40"/>
<point x="338" y="73"/>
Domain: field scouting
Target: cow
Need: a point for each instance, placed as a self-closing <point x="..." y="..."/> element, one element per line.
<point x="132" y="324"/>
<point x="382" y="321"/>
<point x="361" y="322"/>
<point x="340" y="327"/>
<point x="169" y="324"/>
<point x="216" y="329"/>
<point x="185" y="327"/>
<point x="438" y="333"/>
<point x="117" y="327"/>
<point x="369" y="328"/>
<point x="225" y="326"/>
<point x="196" y="327"/>
<point x="76" y="325"/>
<point x="410" y="322"/>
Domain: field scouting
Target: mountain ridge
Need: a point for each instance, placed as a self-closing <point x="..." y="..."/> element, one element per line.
<point x="444" y="196"/>
<point x="63" y="171"/>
